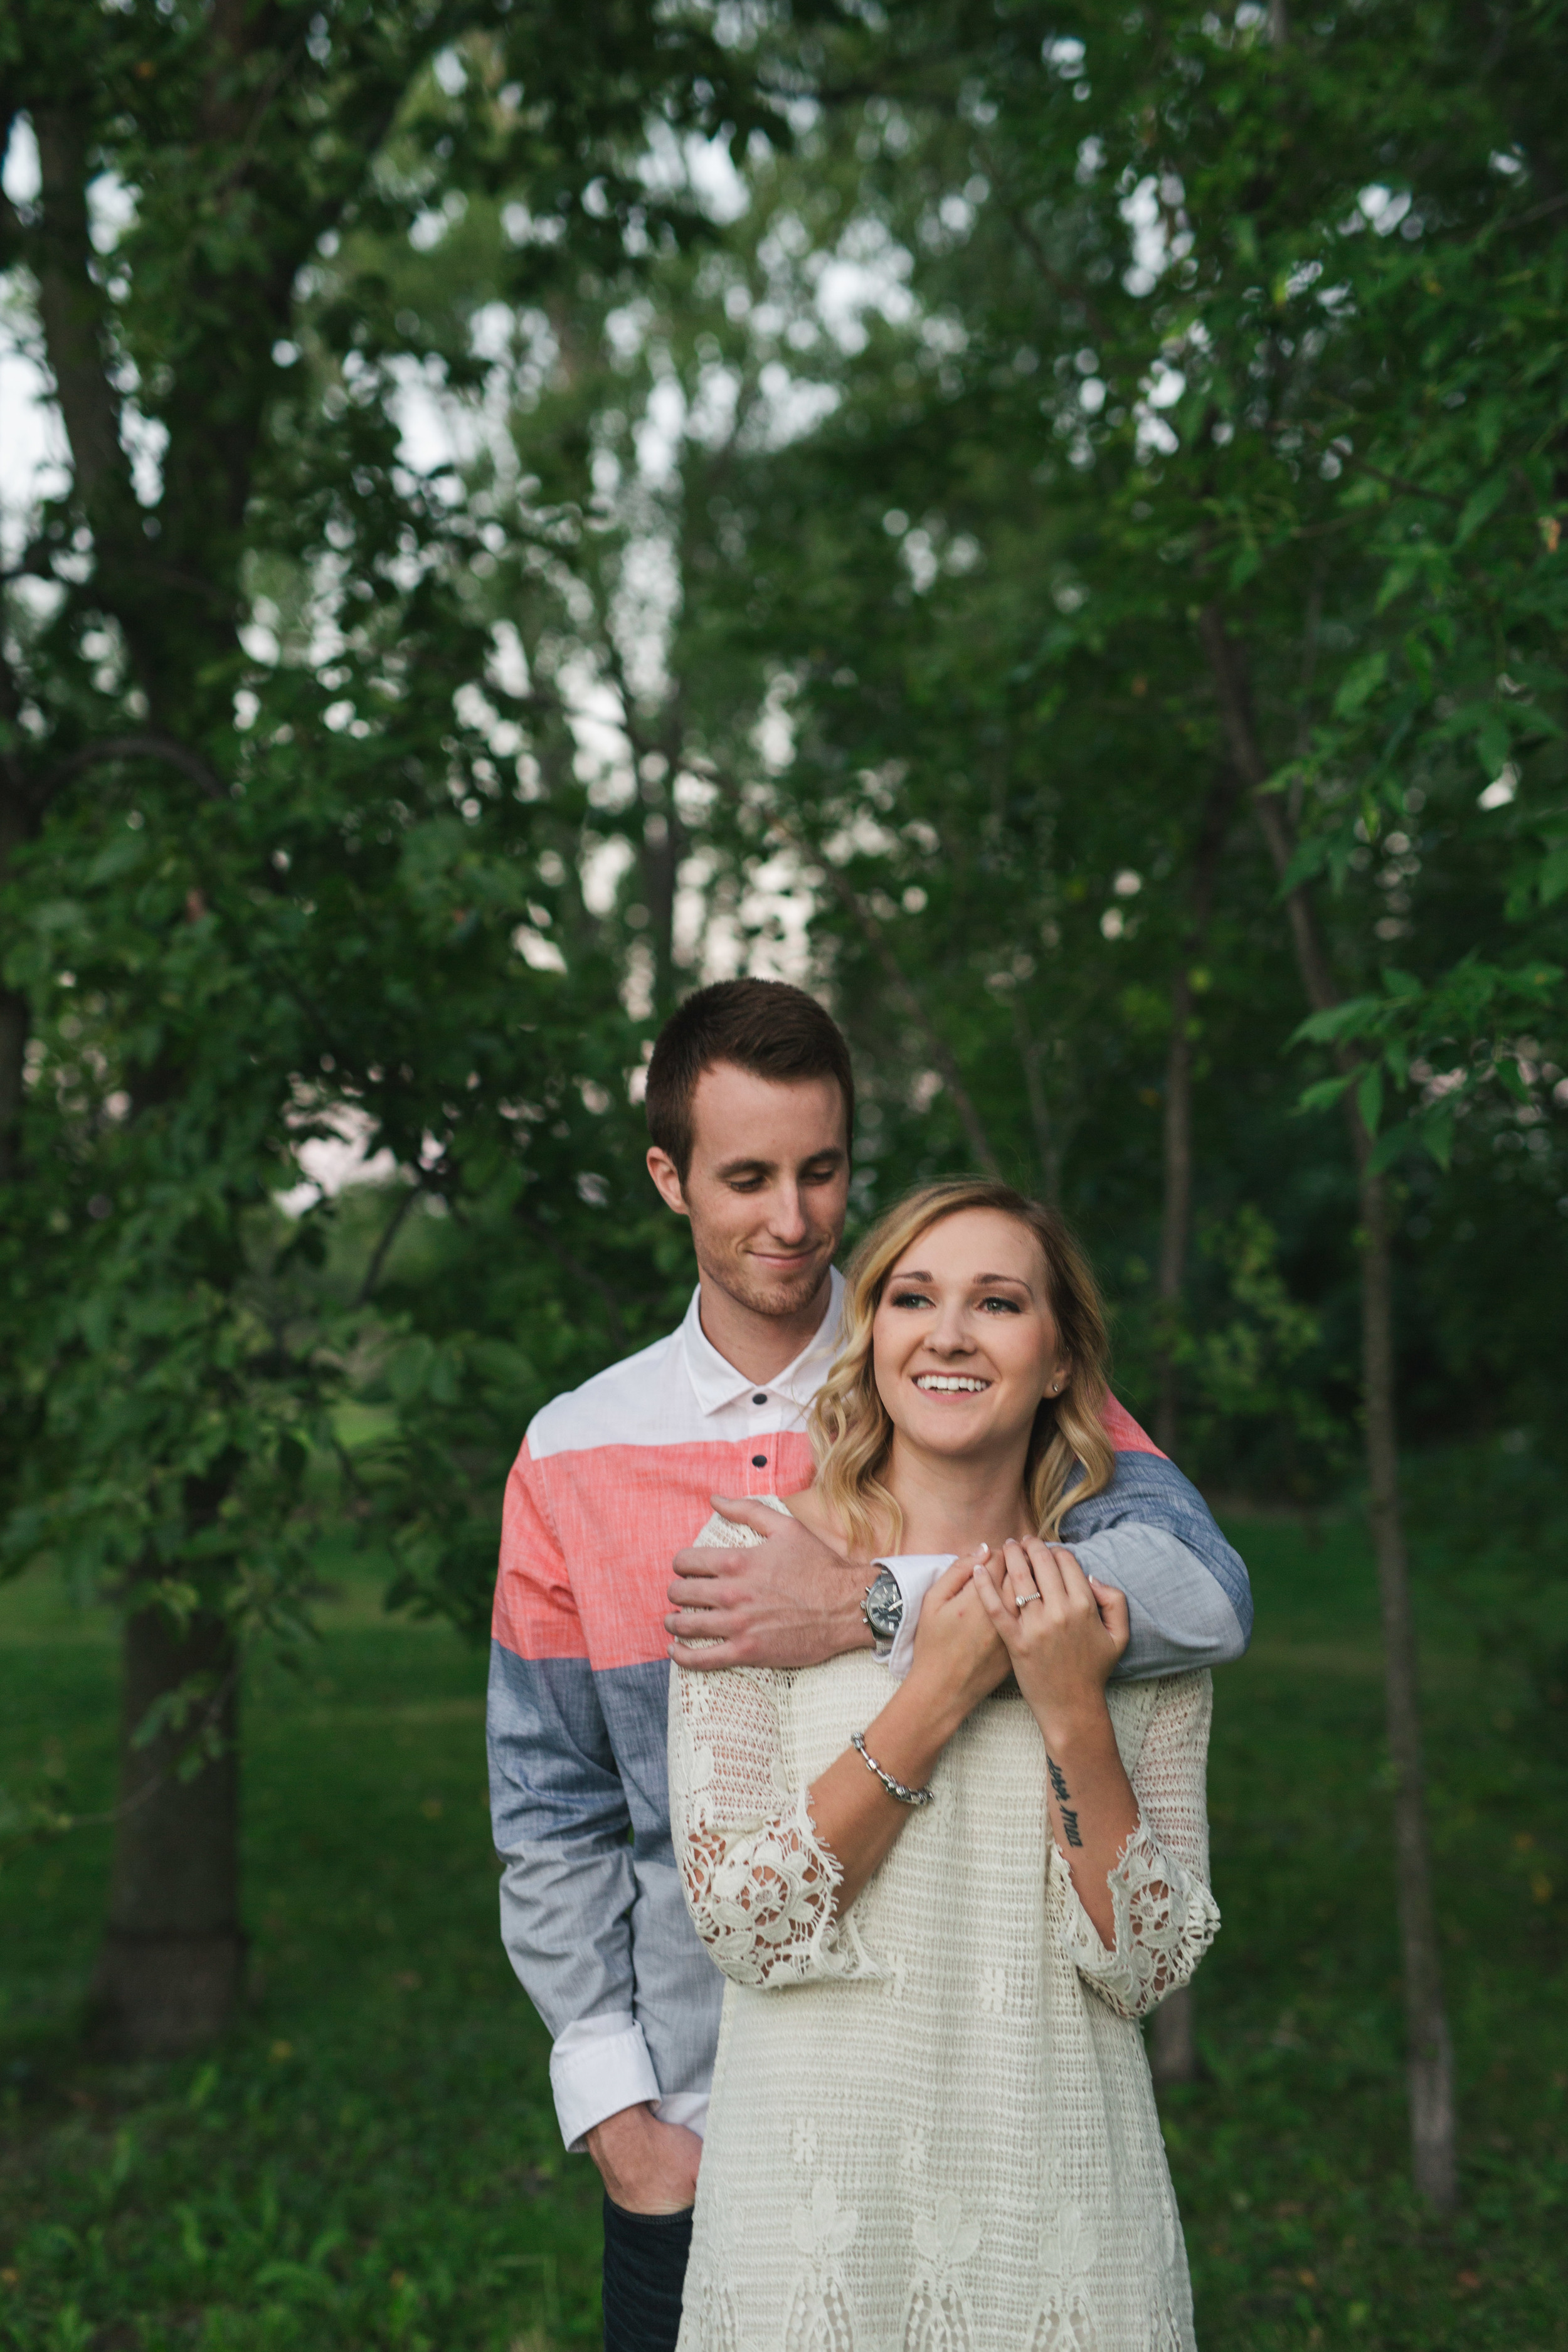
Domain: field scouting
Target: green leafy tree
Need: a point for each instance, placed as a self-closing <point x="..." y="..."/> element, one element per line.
<point x="263" y="873"/>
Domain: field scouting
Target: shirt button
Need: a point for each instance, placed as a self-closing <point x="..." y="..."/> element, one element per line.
<point x="759" y="1461"/>
<point x="758" y="1399"/>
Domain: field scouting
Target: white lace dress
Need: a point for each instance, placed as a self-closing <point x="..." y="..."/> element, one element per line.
<point x="932" y="2126"/>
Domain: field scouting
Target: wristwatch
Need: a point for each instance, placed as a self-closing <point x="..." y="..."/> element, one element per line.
<point x="883" y="1607"/>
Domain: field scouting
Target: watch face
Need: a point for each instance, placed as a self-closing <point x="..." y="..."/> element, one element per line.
<point x="885" y="1605"/>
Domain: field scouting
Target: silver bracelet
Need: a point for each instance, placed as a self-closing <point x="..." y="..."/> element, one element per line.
<point x="894" y="1788"/>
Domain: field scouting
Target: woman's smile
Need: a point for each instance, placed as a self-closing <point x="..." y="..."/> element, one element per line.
<point x="965" y="1321"/>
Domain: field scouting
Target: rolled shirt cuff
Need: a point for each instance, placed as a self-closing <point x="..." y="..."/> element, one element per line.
<point x="914" y="1573"/>
<point x="688" y="2107"/>
<point x="597" y="2066"/>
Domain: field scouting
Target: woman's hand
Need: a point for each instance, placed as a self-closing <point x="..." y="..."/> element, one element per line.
<point x="959" y="1659"/>
<point x="1063" y="1631"/>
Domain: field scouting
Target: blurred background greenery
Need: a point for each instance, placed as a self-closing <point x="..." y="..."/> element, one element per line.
<point x="1043" y="525"/>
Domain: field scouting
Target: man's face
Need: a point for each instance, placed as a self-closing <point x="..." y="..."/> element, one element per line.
<point x="767" y="1188"/>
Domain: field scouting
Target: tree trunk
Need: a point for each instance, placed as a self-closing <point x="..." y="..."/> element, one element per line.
<point x="13" y="1066"/>
<point x="171" y="1964"/>
<point x="1429" y="2055"/>
<point x="170" y="1969"/>
<point x="1176" y="1213"/>
<point x="1173" y="2042"/>
<point x="1047" y="1148"/>
<point x="663" y="846"/>
<point x="16" y="823"/>
<point x="1172" y="2037"/>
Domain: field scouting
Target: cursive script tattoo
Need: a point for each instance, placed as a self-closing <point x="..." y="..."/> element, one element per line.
<point x="1062" y="1795"/>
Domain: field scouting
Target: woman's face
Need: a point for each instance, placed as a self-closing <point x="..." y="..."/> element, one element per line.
<point x="964" y="1344"/>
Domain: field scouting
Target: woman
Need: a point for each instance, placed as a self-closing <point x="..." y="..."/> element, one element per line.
<point x="943" y="1911"/>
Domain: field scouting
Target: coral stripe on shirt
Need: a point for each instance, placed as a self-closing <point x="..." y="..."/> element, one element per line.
<point x="588" y="1535"/>
<point x="588" y="1538"/>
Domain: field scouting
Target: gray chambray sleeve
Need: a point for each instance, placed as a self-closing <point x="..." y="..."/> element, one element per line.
<point x="1181" y="1615"/>
<point x="1151" y="1534"/>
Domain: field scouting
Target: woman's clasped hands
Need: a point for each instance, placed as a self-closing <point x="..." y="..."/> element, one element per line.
<point x="1027" y="1609"/>
<point x="1063" y="1631"/>
<point x="958" y="1660"/>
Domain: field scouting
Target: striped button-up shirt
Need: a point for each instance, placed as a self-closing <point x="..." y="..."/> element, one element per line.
<point x="612" y="1481"/>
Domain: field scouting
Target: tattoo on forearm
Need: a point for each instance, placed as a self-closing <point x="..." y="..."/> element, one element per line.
<point x="1063" y="1794"/>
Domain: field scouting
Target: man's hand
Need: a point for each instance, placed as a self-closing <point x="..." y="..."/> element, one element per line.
<point x="792" y="1601"/>
<point x="646" y="2167"/>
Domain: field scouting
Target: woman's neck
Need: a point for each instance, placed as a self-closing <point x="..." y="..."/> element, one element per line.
<point x="951" y="1505"/>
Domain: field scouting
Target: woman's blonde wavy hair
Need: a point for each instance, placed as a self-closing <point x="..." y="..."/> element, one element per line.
<point x="852" y="1432"/>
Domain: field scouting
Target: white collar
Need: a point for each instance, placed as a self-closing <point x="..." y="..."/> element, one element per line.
<point x="716" y="1383"/>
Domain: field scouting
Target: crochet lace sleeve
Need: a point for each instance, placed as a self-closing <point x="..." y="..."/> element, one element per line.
<point x="1165" y="1918"/>
<point x="759" y="1883"/>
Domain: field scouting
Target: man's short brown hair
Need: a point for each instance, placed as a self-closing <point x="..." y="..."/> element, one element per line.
<point x="765" y="1026"/>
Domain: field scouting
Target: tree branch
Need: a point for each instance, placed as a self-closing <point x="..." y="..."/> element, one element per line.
<point x="389" y="1233"/>
<point x="73" y="310"/>
<point x="1062" y="288"/>
<point x="139" y="747"/>
<point x="1233" y="695"/>
<point x="1364" y="466"/>
<point x="18" y="818"/>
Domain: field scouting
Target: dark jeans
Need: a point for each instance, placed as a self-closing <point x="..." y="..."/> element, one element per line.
<point x="645" y="2270"/>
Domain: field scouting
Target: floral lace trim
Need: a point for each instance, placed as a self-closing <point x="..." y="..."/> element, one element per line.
<point x="765" y="1904"/>
<point x="1166" y="1919"/>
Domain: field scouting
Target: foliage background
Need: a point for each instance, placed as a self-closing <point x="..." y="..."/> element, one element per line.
<point x="904" y="502"/>
<point x="793" y="547"/>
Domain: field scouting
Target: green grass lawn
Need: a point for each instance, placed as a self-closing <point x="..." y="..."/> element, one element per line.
<point x="371" y="2159"/>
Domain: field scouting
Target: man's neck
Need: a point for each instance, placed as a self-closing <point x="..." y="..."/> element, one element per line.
<point x="759" y="1346"/>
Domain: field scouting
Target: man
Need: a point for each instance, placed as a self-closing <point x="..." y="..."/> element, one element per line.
<point x="751" y="1108"/>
